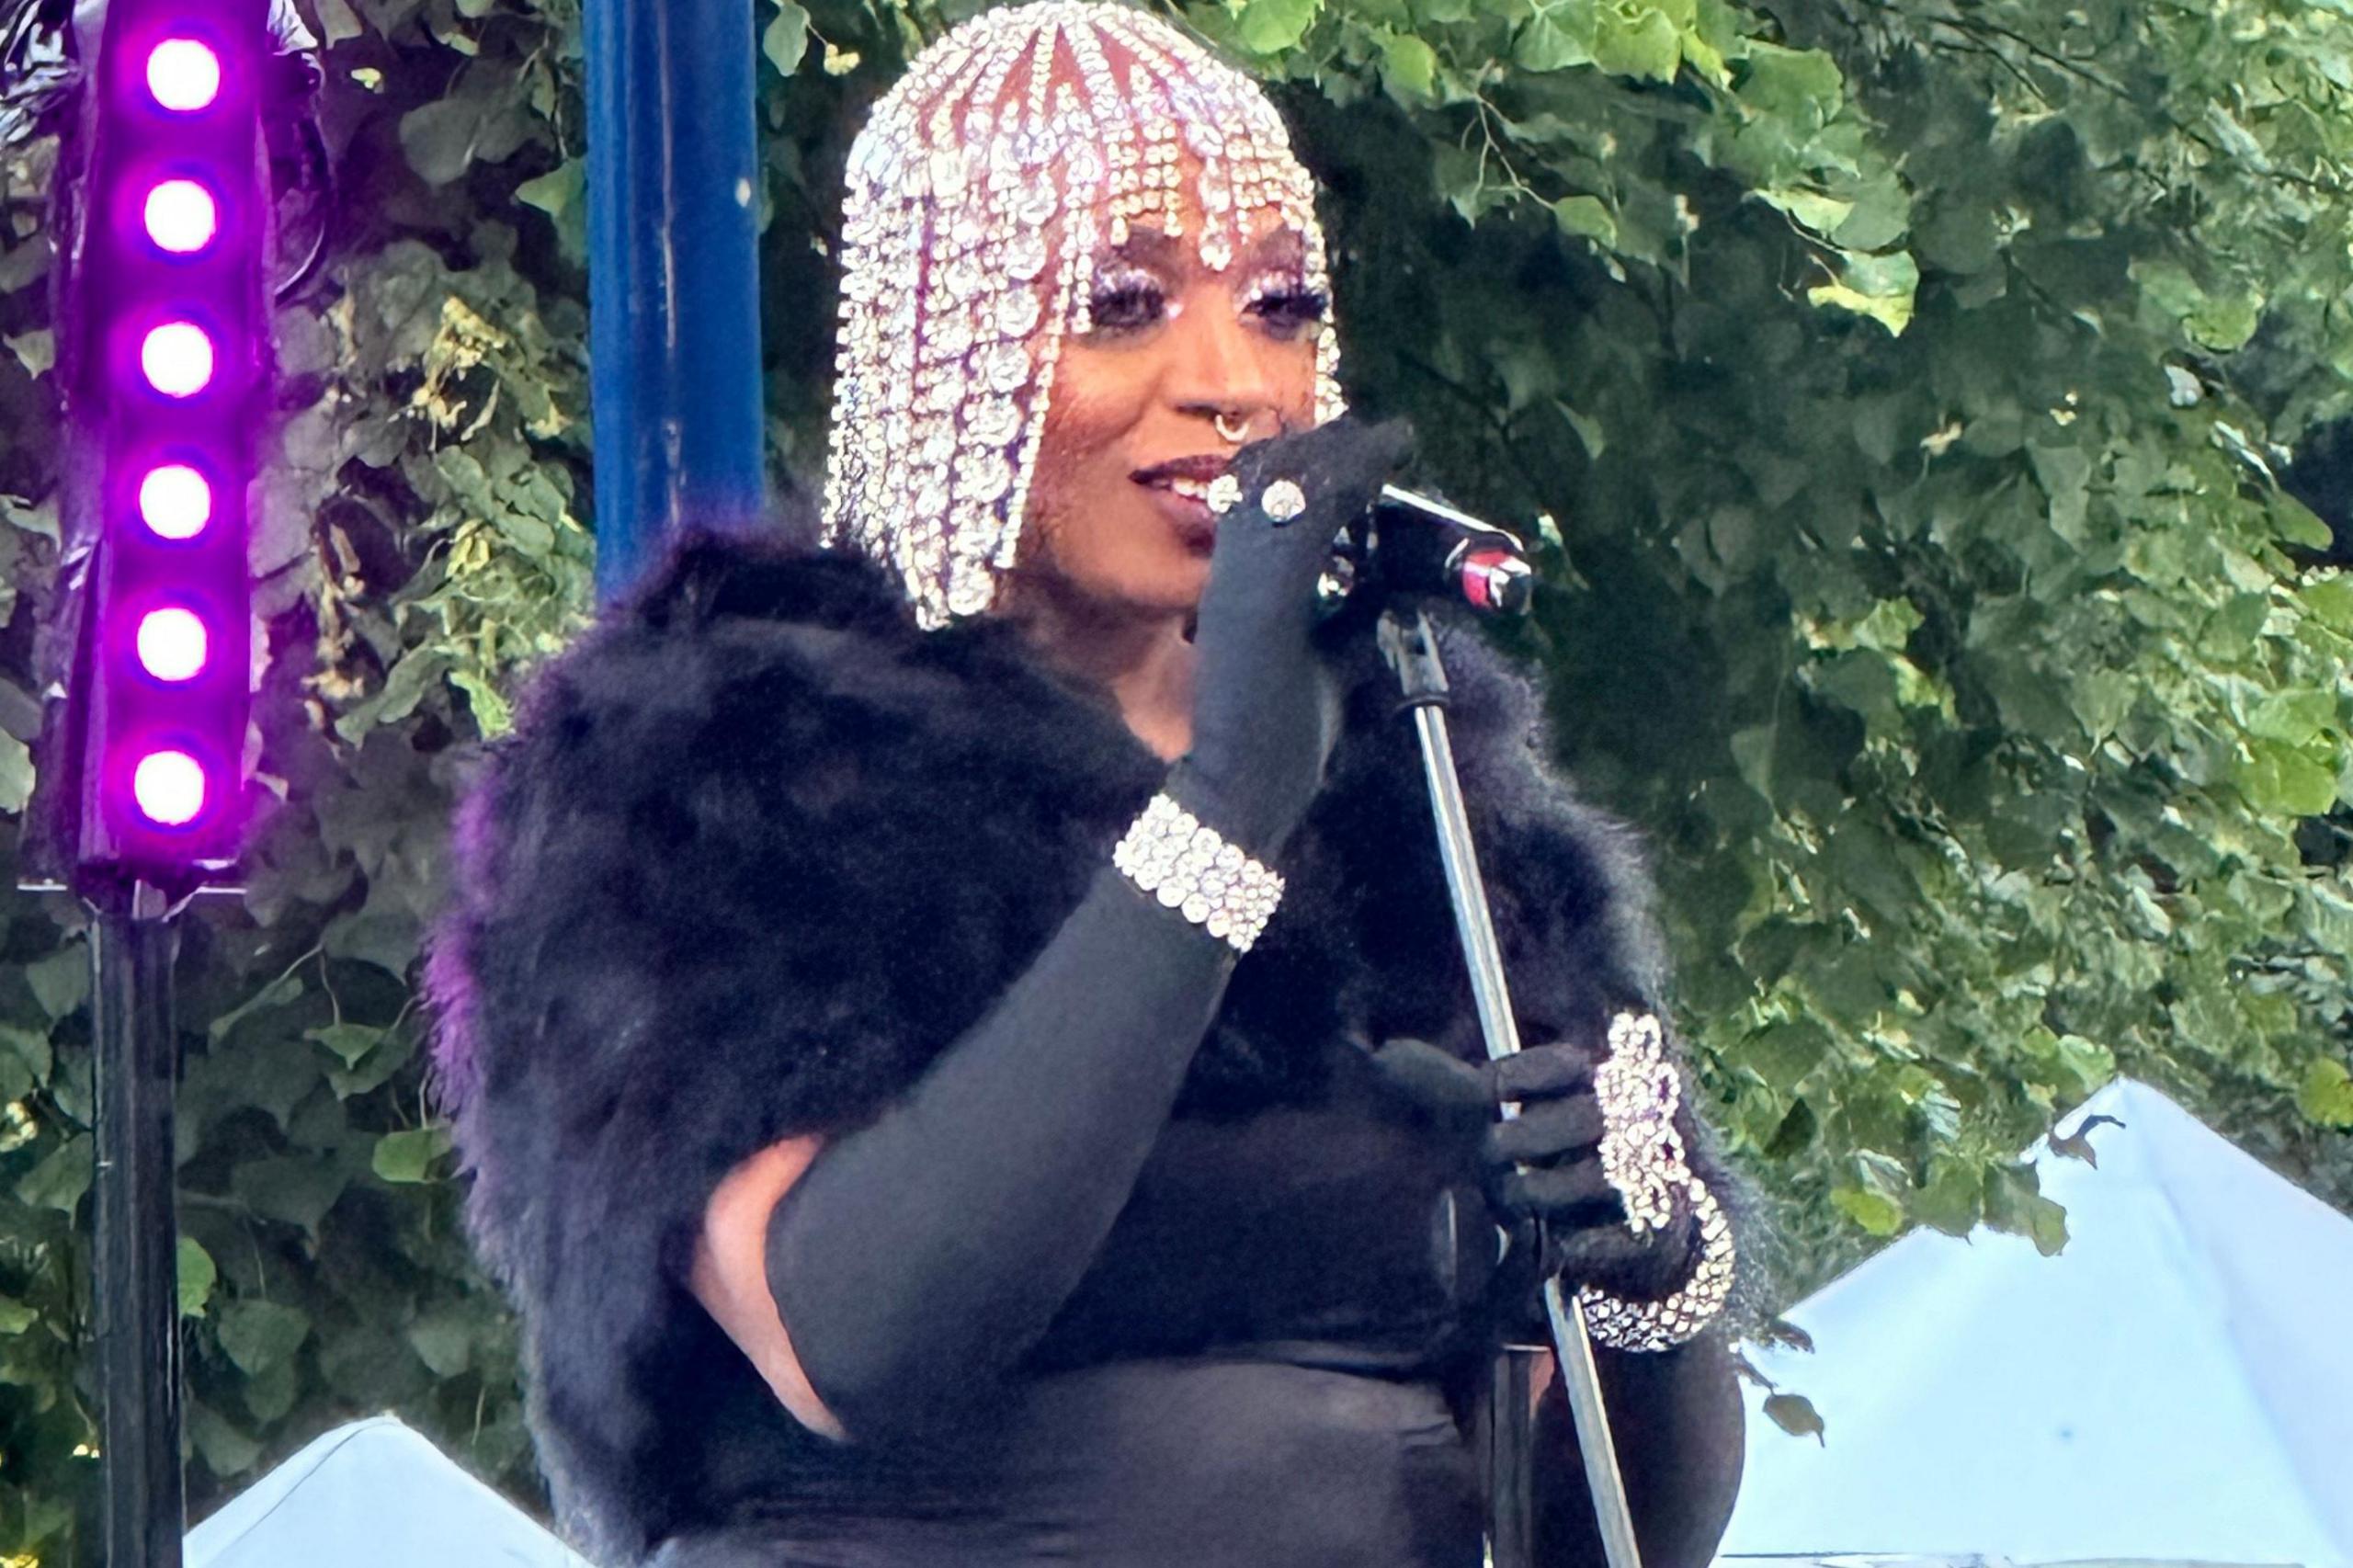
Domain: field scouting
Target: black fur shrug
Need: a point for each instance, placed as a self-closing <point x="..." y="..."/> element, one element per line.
<point x="757" y="849"/>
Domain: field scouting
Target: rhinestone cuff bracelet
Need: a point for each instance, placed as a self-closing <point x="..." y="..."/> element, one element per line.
<point x="1643" y="1158"/>
<point x="1170" y="855"/>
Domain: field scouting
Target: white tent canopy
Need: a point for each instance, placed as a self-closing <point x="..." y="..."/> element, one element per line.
<point x="2178" y="1384"/>
<point x="372" y="1494"/>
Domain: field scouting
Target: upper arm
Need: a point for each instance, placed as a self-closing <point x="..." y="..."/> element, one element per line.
<point x="730" y="1274"/>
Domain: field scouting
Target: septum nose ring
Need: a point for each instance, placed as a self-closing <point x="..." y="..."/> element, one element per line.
<point x="1236" y="432"/>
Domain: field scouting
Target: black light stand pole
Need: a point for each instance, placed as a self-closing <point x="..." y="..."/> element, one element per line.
<point x="1411" y="649"/>
<point x="133" y="1280"/>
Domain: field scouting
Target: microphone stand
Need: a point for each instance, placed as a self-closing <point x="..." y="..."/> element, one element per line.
<point x="1410" y="649"/>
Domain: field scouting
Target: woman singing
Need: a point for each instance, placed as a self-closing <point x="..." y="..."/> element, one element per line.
<point x="958" y="1034"/>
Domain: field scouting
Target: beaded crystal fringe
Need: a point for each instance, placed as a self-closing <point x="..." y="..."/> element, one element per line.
<point x="1643" y="1159"/>
<point x="985" y="190"/>
<point x="1169" y="854"/>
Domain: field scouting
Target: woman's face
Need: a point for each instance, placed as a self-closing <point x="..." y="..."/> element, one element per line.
<point x="1116" y="519"/>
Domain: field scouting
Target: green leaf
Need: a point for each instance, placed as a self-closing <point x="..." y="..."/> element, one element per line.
<point x="2326" y="1093"/>
<point x="2293" y="717"/>
<point x="1555" y="39"/>
<point x="195" y="1277"/>
<point x="1880" y="287"/>
<point x="1814" y="209"/>
<point x="15" y="1317"/>
<point x="558" y="190"/>
<point x="16" y="772"/>
<point x="1269" y="26"/>
<point x="257" y="1336"/>
<point x="60" y="982"/>
<point x="1408" y="67"/>
<point x="36" y="350"/>
<point x="2281" y="781"/>
<point x="293" y="1189"/>
<point x="226" y="1451"/>
<point x="1636" y="40"/>
<point x="439" y="138"/>
<point x="786" y="37"/>
<point x="1877" y="1213"/>
<point x="1795" y="1415"/>
<point x="1587" y="218"/>
<point x="350" y="1042"/>
<point x="407" y="1157"/>
<point x="1802" y="85"/>
<point x="61" y="1179"/>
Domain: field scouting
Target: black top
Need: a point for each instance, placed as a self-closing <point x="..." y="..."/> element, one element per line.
<point x="1256" y="1370"/>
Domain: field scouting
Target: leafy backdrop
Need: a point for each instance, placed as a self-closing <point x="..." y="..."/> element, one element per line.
<point x="1904" y="387"/>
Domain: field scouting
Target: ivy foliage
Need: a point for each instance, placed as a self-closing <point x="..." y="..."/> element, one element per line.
<point x="1901" y="389"/>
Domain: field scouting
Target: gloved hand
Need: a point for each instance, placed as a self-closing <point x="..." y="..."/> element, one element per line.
<point x="1266" y="700"/>
<point x="1541" y="1171"/>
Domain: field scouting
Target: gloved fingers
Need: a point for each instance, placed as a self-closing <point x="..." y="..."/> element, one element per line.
<point x="1434" y="1080"/>
<point x="1577" y="1187"/>
<point x="1542" y="1072"/>
<point x="1338" y="467"/>
<point x="1545" y="1131"/>
<point x="1639" y="1267"/>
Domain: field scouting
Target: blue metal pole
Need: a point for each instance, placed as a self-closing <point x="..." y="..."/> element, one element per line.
<point x="674" y="333"/>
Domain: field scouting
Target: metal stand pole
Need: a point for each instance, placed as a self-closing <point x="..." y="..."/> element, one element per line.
<point x="133" y="1279"/>
<point x="674" y="302"/>
<point x="1411" y="651"/>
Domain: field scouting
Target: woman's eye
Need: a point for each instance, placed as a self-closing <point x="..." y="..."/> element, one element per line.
<point x="1290" y="309"/>
<point x="1120" y="306"/>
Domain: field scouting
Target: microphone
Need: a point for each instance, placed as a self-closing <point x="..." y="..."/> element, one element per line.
<point x="1406" y="543"/>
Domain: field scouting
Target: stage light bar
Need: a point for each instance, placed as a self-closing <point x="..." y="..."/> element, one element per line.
<point x="172" y="317"/>
<point x="181" y="216"/>
<point x="183" y="75"/>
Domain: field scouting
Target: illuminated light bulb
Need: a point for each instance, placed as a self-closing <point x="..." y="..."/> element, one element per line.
<point x="183" y="75"/>
<point x="169" y="788"/>
<point x="178" y="359"/>
<point x="171" y="645"/>
<point x="174" y="501"/>
<point x="181" y="217"/>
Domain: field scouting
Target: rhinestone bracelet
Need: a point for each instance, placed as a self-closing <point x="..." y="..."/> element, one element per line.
<point x="1642" y="1157"/>
<point x="1171" y="855"/>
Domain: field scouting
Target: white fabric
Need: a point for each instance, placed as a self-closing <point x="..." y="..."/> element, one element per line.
<point x="2177" y="1384"/>
<point x="372" y="1494"/>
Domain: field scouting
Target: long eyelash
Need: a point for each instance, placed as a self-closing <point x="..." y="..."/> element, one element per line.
<point x="1116" y="292"/>
<point x="1294" y="306"/>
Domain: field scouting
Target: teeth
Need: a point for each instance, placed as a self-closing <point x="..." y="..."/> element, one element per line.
<point x="1195" y="489"/>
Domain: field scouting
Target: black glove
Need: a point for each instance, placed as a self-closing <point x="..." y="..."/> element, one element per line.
<point x="919" y="1258"/>
<point x="1266" y="700"/>
<point x="1541" y="1171"/>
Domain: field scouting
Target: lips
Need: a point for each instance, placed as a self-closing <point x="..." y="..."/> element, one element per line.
<point x="1180" y="488"/>
<point x="1189" y="477"/>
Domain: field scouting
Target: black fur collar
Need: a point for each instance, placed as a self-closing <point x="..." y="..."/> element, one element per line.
<point x="759" y="848"/>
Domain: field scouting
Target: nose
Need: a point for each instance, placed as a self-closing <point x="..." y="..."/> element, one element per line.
<point x="1220" y="371"/>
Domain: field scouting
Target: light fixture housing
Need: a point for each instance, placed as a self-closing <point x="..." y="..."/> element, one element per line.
<point x="169" y="315"/>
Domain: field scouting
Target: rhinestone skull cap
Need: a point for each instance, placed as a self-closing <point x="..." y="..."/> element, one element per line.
<point x="980" y="192"/>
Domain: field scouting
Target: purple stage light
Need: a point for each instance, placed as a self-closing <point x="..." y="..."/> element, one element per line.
<point x="169" y="305"/>
<point x="183" y="75"/>
<point x="169" y="788"/>
<point x="171" y="645"/>
<point x="174" y="502"/>
<point x="178" y="359"/>
<point x="181" y="216"/>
